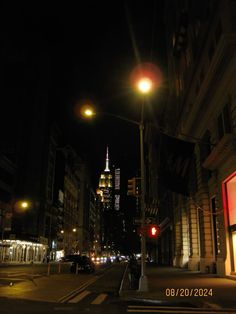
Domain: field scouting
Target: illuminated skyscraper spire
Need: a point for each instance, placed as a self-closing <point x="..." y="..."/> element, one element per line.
<point x="107" y="161"/>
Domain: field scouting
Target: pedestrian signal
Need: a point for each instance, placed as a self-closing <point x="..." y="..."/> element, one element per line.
<point x="153" y="231"/>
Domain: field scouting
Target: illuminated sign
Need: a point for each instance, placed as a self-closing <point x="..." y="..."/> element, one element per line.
<point x="117" y="179"/>
<point x="117" y="202"/>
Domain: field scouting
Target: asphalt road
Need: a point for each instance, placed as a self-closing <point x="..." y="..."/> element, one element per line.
<point x="83" y="293"/>
<point x="59" y="293"/>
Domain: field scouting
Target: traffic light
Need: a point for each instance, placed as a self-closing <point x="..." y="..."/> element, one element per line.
<point x="131" y="187"/>
<point x="153" y="231"/>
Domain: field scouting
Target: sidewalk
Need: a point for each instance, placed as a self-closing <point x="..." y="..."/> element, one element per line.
<point x="174" y="285"/>
<point x="58" y="285"/>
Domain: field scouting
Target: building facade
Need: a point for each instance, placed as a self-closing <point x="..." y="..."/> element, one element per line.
<point x="105" y="195"/>
<point x="77" y="219"/>
<point x="201" y="41"/>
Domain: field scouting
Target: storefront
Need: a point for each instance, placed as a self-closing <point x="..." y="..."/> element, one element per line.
<point x="17" y="251"/>
<point x="229" y="199"/>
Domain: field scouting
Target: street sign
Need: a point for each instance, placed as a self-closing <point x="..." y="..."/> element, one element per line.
<point x="149" y="220"/>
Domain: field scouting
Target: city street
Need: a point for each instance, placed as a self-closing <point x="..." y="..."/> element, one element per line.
<point x="58" y="291"/>
<point x="101" y="292"/>
<point x="118" y="157"/>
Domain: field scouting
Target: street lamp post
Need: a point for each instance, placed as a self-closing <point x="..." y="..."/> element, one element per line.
<point x="143" y="284"/>
<point x="144" y="86"/>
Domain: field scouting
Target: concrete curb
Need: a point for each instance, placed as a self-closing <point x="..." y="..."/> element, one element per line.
<point x="123" y="280"/>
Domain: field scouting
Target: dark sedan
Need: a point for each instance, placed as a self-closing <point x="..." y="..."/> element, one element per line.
<point x="82" y="264"/>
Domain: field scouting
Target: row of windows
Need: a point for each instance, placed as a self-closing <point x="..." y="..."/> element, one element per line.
<point x="187" y="57"/>
<point x="224" y="123"/>
<point x="223" y="127"/>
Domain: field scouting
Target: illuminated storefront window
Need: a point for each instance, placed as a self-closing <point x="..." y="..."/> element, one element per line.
<point x="229" y="198"/>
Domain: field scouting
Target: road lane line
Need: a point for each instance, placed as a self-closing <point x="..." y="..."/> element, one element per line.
<point x="79" y="297"/>
<point x="77" y="290"/>
<point x="73" y="293"/>
<point x="99" y="299"/>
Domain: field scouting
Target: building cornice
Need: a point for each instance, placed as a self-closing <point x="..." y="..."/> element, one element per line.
<point x="221" y="152"/>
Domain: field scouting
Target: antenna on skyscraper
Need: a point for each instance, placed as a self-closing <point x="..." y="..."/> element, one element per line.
<point x="107" y="161"/>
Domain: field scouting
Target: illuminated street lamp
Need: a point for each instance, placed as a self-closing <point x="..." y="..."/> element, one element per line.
<point x="87" y="111"/>
<point x="144" y="86"/>
<point x="74" y="229"/>
<point x="6" y="218"/>
<point x="24" y="204"/>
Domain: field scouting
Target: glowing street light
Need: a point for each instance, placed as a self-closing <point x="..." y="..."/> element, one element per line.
<point x="144" y="85"/>
<point x="24" y="204"/>
<point x="87" y="111"/>
<point x="74" y="229"/>
<point x="21" y="206"/>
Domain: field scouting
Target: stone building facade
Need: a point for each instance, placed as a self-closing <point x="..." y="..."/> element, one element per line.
<point x="201" y="42"/>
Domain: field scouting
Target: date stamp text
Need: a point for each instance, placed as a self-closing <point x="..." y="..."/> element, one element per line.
<point x="188" y="292"/>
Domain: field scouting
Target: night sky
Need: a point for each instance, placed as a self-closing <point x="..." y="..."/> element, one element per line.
<point x="88" y="52"/>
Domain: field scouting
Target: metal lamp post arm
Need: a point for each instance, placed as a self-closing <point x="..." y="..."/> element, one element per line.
<point x="119" y="117"/>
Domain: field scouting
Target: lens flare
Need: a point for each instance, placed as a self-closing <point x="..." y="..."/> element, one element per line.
<point x="145" y="85"/>
<point x="146" y="77"/>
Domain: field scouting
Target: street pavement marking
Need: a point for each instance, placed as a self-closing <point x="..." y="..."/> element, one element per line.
<point x="73" y="293"/>
<point x="79" y="297"/>
<point x="99" y="299"/>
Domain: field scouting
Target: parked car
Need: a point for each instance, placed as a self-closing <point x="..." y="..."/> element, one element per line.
<point x="70" y="258"/>
<point x="83" y="264"/>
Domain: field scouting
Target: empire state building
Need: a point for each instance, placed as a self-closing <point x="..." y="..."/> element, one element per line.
<point x="105" y="186"/>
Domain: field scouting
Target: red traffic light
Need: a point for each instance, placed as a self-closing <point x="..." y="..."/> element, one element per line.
<point x="153" y="231"/>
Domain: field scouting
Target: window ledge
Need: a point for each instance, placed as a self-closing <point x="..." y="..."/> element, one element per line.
<point x="225" y="147"/>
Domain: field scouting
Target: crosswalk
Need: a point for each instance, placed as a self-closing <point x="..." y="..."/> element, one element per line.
<point x="76" y="293"/>
<point x="99" y="299"/>
<point x="92" y="297"/>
